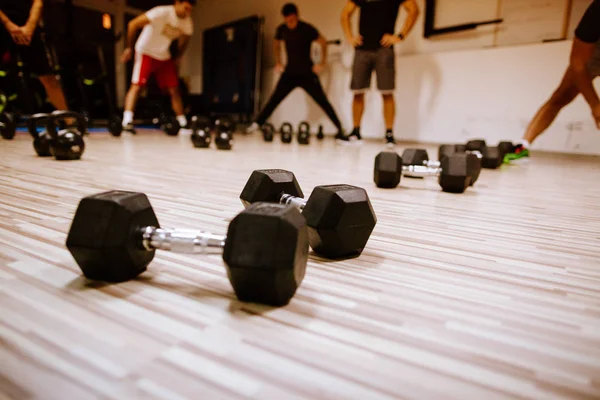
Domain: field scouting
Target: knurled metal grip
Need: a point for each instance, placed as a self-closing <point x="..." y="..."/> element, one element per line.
<point x="420" y="171"/>
<point x="186" y="241"/>
<point x="297" y="202"/>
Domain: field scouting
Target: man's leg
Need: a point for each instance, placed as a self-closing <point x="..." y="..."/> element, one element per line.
<point x="385" y="67"/>
<point x="168" y="79"/>
<point x="284" y="87"/>
<point x="130" y="101"/>
<point x="565" y="93"/>
<point x="142" y="70"/>
<point x="362" y="69"/>
<point x="313" y="87"/>
<point x="54" y="91"/>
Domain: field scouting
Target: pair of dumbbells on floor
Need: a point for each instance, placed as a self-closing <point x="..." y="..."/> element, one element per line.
<point x="287" y="133"/>
<point x="203" y="129"/>
<point x="492" y="156"/>
<point x="456" y="171"/>
<point x="114" y="235"/>
<point x="50" y="141"/>
<point x="167" y="123"/>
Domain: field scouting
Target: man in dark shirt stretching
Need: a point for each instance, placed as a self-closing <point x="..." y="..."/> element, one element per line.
<point x="298" y="37"/>
<point x="583" y="67"/>
<point x="375" y="51"/>
<point x="20" y="37"/>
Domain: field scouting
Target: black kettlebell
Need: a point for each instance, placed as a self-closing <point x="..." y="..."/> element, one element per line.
<point x="268" y="131"/>
<point x="224" y="128"/>
<point x="320" y="134"/>
<point x="41" y="140"/>
<point x="115" y="125"/>
<point x="8" y="127"/>
<point x="66" y="144"/>
<point x="304" y="133"/>
<point x="170" y="126"/>
<point x="287" y="132"/>
<point x="201" y="131"/>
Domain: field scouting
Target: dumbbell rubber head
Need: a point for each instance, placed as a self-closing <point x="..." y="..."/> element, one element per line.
<point x="171" y="126"/>
<point x="266" y="253"/>
<point x="8" y="128"/>
<point x="340" y="220"/>
<point x="414" y="157"/>
<point x="477" y="145"/>
<point x="101" y="238"/>
<point x="506" y="147"/>
<point x="457" y="171"/>
<point x="388" y="170"/>
<point x="268" y="185"/>
<point x="115" y="125"/>
<point x="493" y="157"/>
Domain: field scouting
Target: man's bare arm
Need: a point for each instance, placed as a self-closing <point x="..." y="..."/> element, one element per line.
<point x="182" y="44"/>
<point x="277" y="51"/>
<point x="323" y="43"/>
<point x="349" y="9"/>
<point x="412" y="8"/>
<point x="134" y="27"/>
<point x="35" y="14"/>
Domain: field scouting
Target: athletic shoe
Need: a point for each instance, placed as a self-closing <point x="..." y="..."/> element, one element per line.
<point x="389" y="140"/>
<point x="253" y="128"/>
<point x="129" y="128"/>
<point x="342" y="139"/>
<point x="355" y="137"/>
<point x="519" y="152"/>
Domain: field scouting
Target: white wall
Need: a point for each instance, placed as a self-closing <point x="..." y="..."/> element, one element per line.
<point x="441" y="97"/>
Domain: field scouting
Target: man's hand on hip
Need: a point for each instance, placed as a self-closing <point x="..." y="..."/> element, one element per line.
<point x="389" y="40"/>
<point x="356" y="41"/>
<point x="16" y="33"/>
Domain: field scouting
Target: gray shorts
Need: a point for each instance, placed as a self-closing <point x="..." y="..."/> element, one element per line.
<point x="594" y="64"/>
<point x="383" y="61"/>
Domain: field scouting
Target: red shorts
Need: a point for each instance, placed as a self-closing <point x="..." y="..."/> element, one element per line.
<point x="164" y="71"/>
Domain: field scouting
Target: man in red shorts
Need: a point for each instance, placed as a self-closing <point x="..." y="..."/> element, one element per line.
<point x="160" y="26"/>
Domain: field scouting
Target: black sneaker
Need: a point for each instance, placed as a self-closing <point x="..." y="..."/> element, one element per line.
<point x="340" y="138"/>
<point x="355" y="137"/>
<point x="129" y="128"/>
<point x="389" y="139"/>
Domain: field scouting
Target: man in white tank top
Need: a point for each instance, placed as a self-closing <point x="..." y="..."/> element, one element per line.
<point x="160" y="27"/>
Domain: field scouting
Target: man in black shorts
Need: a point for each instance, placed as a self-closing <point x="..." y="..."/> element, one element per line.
<point x="584" y="66"/>
<point x="375" y="51"/>
<point x="21" y="38"/>
<point x="298" y="37"/>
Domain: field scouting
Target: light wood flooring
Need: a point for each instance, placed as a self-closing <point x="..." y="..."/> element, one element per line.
<point x="491" y="294"/>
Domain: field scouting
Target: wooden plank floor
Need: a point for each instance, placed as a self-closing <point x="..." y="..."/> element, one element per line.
<point x="491" y="294"/>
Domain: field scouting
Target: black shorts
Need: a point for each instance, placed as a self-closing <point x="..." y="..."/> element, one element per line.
<point x="382" y="61"/>
<point x="34" y="56"/>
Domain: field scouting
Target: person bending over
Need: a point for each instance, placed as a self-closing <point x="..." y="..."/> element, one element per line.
<point x="375" y="51"/>
<point x="300" y="71"/>
<point x="22" y="38"/>
<point x="584" y="66"/>
<point x="160" y="26"/>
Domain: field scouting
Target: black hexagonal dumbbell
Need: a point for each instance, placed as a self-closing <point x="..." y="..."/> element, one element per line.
<point x="493" y="157"/>
<point x="454" y="172"/>
<point x="340" y="218"/>
<point x="114" y="236"/>
<point x="420" y="157"/>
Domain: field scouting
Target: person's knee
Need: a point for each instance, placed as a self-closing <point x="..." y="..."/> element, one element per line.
<point x="562" y="98"/>
<point x="134" y="89"/>
<point x="388" y="97"/>
<point x="359" y="97"/>
<point x="174" y="92"/>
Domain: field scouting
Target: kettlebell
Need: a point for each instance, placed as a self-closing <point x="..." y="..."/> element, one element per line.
<point x="8" y="127"/>
<point x="41" y="140"/>
<point x="66" y="144"/>
<point x="201" y="131"/>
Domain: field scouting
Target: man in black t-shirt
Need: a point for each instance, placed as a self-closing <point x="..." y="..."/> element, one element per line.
<point x="298" y="37"/>
<point x="20" y="39"/>
<point x="584" y="66"/>
<point x="375" y="51"/>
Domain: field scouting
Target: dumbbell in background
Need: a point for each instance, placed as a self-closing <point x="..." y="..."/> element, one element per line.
<point x="492" y="156"/>
<point x="420" y="157"/>
<point x="340" y="218"/>
<point x="114" y="236"/>
<point x="454" y="173"/>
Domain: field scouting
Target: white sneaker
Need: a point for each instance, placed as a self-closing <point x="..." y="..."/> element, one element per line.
<point x="253" y="128"/>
